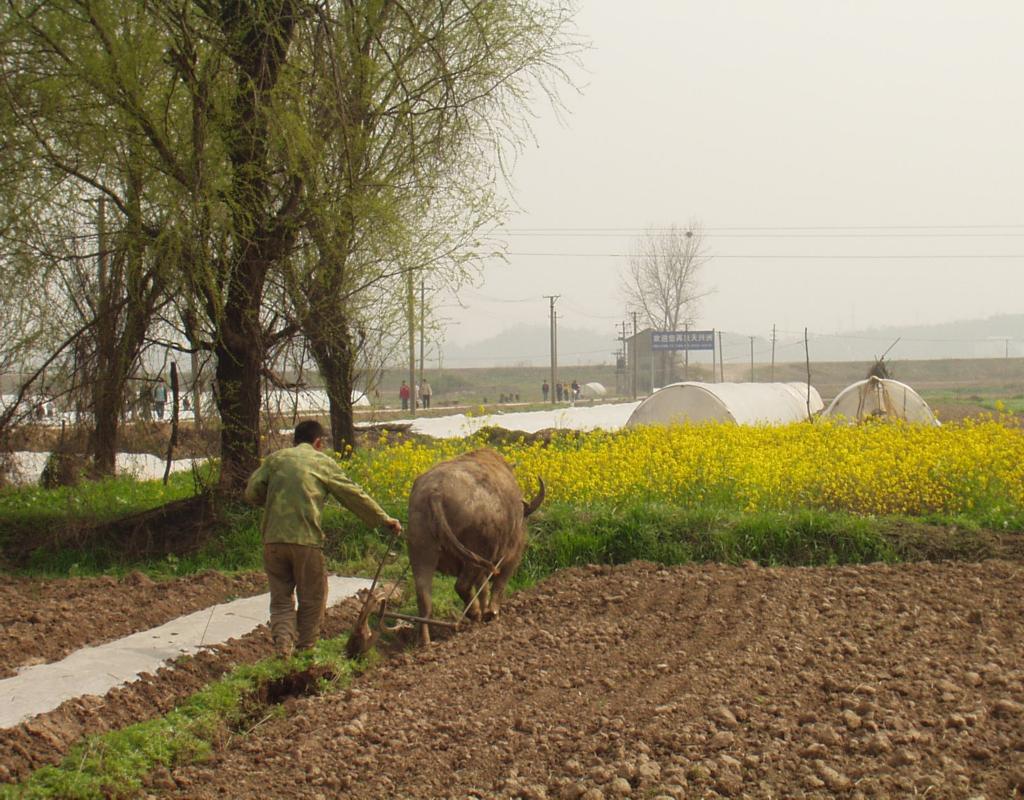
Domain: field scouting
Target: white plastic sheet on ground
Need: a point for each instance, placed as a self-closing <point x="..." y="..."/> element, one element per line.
<point x="97" y="670"/>
<point x="279" y="401"/>
<point x="742" y="403"/>
<point x="25" y="467"/>
<point x="609" y="417"/>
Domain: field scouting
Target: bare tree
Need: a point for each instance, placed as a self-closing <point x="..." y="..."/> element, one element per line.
<point x="661" y="281"/>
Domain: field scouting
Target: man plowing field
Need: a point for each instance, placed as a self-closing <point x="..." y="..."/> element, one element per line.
<point x="292" y="485"/>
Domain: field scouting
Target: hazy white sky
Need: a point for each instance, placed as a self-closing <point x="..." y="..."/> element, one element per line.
<point x="824" y="117"/>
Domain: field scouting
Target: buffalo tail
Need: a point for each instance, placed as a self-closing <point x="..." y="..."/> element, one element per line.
<point x="449" y="535"/>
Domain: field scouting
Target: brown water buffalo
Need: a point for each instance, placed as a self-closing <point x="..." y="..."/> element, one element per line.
<point x="467" y="518"/>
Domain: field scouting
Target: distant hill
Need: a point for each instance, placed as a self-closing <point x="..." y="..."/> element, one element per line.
<point x="979" y="338"/>
<point x="528" y="345"/>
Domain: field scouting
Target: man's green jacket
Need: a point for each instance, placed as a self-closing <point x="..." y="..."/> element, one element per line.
<point x="293" y="484"/>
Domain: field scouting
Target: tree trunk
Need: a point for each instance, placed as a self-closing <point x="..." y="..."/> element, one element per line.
<point x="197" y="390"/>
<point x="128" y="293"/>
<point x="335" y="354"/>
<point x="238" y="400"/>
<point x="241" y="353"/>
<point x="173" y="441"/>
<point x="107" y="385"/>
<point x="106" y="410"/>
<point x="343" y="429"/>
<point x="258" y="39"/>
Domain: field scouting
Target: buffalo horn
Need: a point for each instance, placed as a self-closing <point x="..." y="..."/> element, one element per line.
<point x="534" y="504"/>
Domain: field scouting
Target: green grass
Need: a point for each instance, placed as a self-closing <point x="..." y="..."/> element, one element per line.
<point x="1012" y="405"/>
<point x="997" y="399"/>
<point x="114" y="764"/>
<point x="39" y="515"/>
<point x="31" y="508"/>
<point x="565" y="536"/>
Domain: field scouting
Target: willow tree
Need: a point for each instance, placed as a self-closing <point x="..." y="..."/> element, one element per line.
<point x="111" y="290"/>
<point x="193" y="88"/>
<point x="75" y="239"/>
<point x="415" y="104"/>
<point x="267" y="130"/>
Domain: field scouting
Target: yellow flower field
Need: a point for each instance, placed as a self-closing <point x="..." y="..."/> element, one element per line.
<point x="881" y="468"/>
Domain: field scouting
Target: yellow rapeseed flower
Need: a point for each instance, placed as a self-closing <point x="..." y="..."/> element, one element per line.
<point x="870" y="469"/>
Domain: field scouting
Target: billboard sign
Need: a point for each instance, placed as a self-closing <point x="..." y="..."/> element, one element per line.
<point x="683" y="340"/>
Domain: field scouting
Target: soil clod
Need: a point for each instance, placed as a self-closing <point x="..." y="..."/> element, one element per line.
<point x="295" y="684"/>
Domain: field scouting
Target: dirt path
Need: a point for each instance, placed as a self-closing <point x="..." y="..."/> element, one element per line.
<point x="702" y="681"/>
<point x="44" y="620"/>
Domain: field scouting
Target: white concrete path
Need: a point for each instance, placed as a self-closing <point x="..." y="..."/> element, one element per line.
<point x="97" y="670"/>
<point x="607" y="416"/>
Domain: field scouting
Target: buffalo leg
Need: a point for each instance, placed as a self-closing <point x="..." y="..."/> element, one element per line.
<point x="466" y="585"/>
<point x="497" y="589"/>
<point x="423" y="566"/>
<point x="485" y="599"/>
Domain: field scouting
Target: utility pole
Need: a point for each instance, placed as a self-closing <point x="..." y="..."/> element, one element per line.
<point x="423" y="315"/>
<point x="751" y="359"/>
<point x="620" y="359"/>
<point x="554" y="322"/>
<point x="807" y="355"/>
<point x="636" y="355"/>
<point x="410" y="292"/>
<point x="721" y="360"/>
<point x="554" y="343"/>
<point x="773" y="353"/>
<point x="686" y="355"/>
<point x="714" y="364"/>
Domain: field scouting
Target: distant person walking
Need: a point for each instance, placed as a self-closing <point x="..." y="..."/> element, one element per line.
<point x="426" y="393"/>
<point x="575" y="390"/>
<point x="545" y="390"/>
<point x="558" y="392"/>
<point x="292" y="485"/>
<point x="145" y="403"/>
<point x="404" y="394"/>
<point x="160" y="398"/>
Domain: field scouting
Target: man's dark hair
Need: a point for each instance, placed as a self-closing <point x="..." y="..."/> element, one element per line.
<point x="307" y="432"/>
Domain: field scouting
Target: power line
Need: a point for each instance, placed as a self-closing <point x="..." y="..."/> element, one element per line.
<point x="804" y="256"/>
<point x="912" y="235"/>
<point x="888" y="337"/>
<point x="776" y="228"/>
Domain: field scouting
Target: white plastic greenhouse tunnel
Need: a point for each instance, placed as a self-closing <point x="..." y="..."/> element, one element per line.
<point x="880" y="397"/>
<point x="742" y="403"/>
<point x="593" y="389"/>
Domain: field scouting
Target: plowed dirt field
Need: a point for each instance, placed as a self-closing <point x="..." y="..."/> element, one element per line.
<point x="690" y="682"/>
<point x="44" y="620"/>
